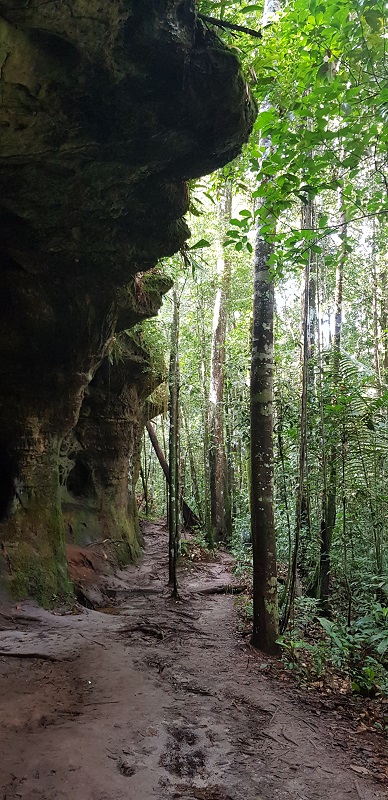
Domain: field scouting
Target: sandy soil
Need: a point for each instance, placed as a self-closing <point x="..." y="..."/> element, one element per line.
<point x="157" y="699"/>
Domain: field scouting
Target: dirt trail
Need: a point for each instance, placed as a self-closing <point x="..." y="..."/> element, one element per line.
<point x="160" y="700"/>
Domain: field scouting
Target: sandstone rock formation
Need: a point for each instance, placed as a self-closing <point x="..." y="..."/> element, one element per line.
<point x="106" y="110"/>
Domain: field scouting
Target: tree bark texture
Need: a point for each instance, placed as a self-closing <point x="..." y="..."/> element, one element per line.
<point x="205" y="417"/>
<point x="327" y="529"/>
<point x="265" y="605"/>
<point x="173" y="384"/>
<point x="219" y="488"/>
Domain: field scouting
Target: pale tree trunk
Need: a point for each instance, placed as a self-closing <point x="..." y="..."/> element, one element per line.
<point x="302" y="511"/>
<point x="313" y="589"/>
<point x="308" y="334"/>
<point x="174" y="520"/>
<point x="384" y="323"/>
<point x="383" y="310"/>
<point x="230" y="453"/>
<point x="375" y="305"/>
<point x="205" y="417"/>
<point x="193" y="470"/>
<point x="375" y="504"/>
<point x="329" y="518"/>
<point x="219" y="490"/>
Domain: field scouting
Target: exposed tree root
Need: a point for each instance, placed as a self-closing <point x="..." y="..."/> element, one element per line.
<point x="225" y="589"/>
<point x="42" y="656"/>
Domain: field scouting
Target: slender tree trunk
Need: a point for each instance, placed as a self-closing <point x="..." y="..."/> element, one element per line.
<point x="193" y="470"/>
<point x="308" y="332"/>
<point x="205" y="418"/>
<point x="265" y="595"/>
<point x="219" y="492"/>
<point x="174" y="520"/>
<point x="334" y="454"/>
<point x="384" y="323"/>
<point x="314" y="586"/>
<point x="167" y="478"/>
<point x="145" y="489"/>
<point x="302" y="515"/>
<point x="190" y="519"/>
<point x="265" y="606"/>
<point x="375" y="304"/>
<point x="231" y="454"/>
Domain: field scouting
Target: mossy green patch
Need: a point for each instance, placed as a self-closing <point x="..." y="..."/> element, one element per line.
<point x="35" y="555"/>
<point x="127" y="546"/>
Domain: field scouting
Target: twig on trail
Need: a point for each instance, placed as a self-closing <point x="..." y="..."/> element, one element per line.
<point x="288" y="738"/>
<point x="267" y="734"/>
<point x="92" y="641"/>
<point x="198" y="690"/>
<point x="42" y="656"/>
<point x="225" y="589"/>
<point x="70" y="713"/>
<point x="103" y="703"/>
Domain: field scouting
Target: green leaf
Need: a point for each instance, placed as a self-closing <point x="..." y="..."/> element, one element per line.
<point x="374" y="19"/>
<point x="199" y="244"/>
<point x="238" y="222"/>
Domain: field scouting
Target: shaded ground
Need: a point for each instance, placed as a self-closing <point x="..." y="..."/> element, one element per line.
<point x="159" y="699"/>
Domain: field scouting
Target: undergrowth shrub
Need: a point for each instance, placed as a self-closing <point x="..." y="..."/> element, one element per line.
<point x="320" y="649"/>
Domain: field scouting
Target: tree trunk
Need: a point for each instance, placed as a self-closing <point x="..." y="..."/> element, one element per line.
<point x="265" y="594"/>
<point x="219" y="490"/>
<point x="205" y="418"/>
<point x="375" y="304"/>
<point x="190" y="519"/>
<point x="174" y="521"/>
<point x="193" y="471"/>
<point x="327" y="529"/>
<point x="265" y="606"/>
<point x="384" y="322"/>
<point x="308" y="330"/>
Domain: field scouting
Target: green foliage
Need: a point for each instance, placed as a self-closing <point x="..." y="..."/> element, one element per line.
<point x="320" y="79"/>
<point x="356" y="653"/>
<point x="150" y="337"/>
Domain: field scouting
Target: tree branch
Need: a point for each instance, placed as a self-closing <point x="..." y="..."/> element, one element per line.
<point x="221" y="23"/>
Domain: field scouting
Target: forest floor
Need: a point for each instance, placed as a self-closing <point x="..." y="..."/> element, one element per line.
<point x="158" y="698"/>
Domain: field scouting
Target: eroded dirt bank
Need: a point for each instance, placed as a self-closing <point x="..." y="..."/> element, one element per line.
<point x="161" y="700"/>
